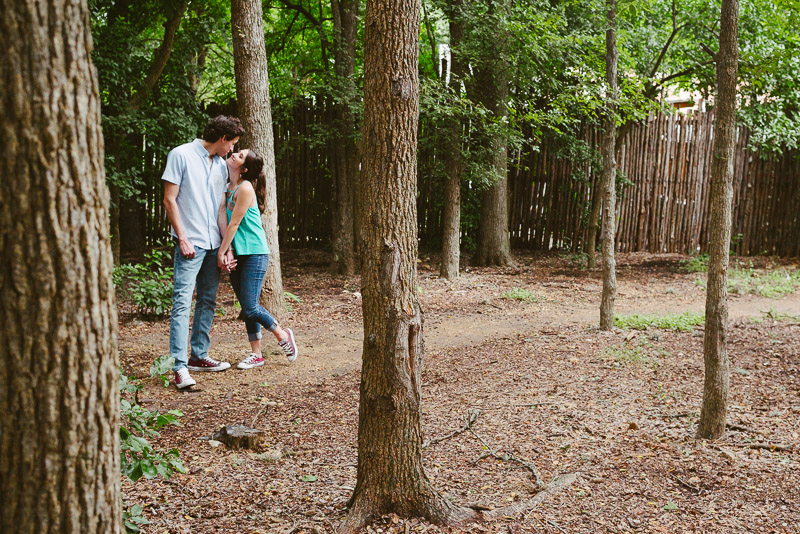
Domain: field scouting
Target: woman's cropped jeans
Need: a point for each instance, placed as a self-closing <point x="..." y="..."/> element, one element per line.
<point x="247" y="279"/>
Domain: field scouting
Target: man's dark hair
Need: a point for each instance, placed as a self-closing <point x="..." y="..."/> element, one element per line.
<point x="222" y="126"/>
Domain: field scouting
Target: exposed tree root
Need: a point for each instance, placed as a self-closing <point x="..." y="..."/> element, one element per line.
<point x="524" y="506"/>
<point x="435" y="509"/>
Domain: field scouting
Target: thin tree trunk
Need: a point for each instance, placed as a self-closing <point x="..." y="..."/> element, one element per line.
<point x="113" y="217"/>
<point x="345" y="152"/>
<point x="609" y="176"/>
<point x="494" y="242"/>
<point x="715" y="343"/>
<point x="451" y="217"/>
<point x="59" y="398"/>
<point x="390" y="476"/>
<point x="590" y="246"/>
<point x="252" y="94"/>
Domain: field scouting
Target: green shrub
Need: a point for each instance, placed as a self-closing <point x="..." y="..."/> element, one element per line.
<point x="680" y="322"/>
<point x="148" y="285"/>
<point x="771" y="284"/>
<point x="524" y="295"/>
<point x="640" y="353"/>
<point x="695" y="264"/>
<point x="137" y="457"/>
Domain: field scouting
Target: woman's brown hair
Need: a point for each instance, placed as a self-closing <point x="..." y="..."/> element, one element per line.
<point x="254" y="173"/>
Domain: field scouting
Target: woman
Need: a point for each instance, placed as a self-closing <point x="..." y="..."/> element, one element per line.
<point x="245" y="237"/>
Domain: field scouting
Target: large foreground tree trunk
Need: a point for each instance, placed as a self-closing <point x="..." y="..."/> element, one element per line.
<point x="345" y="152"/>
<point x="59" y="398"/>
<point x="715" y="343"/>
<point x="390" y="476"/>
<point x="451" y="216"/>
<point x="252" y="95"/>
<point x="609" y="176"/>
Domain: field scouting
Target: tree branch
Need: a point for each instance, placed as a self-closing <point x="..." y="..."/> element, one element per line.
<point x="468" y="420"/>
<point x="160" y="57"/>
<point x="317" y="22"/>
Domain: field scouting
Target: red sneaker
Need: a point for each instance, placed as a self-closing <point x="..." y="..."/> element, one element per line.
<point x="289" y="346"/>
<point x="254" y="360"/>
<point x="183" y="379"/>
<point x="207" y="364"/>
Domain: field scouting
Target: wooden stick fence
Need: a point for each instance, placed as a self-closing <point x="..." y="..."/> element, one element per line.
<point x="664" y="208"/>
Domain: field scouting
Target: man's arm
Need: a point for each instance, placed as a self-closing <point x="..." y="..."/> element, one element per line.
<point x="171" y="205"/>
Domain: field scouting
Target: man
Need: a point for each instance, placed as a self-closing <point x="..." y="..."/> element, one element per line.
<point x="194" y="183"/>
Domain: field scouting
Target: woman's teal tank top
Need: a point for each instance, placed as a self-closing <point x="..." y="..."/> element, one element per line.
<point x="250" y="237"/>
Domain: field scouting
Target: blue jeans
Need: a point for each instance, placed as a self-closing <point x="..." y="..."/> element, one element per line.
<point x="200" y="271"/>
<point x="247" y="279"/>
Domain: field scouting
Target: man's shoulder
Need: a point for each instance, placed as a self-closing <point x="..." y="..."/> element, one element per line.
<point x="183" y="149"/>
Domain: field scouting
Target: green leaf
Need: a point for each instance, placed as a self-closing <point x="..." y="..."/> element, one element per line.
<point x="670" y="506"/>
<point x="149" y="469"/>
<point x="308" y="478"/>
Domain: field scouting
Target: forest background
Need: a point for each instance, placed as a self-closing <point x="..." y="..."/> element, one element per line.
<point x="524" y="79"/>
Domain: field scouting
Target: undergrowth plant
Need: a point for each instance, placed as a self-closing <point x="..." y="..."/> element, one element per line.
<point x="138" y="424"/>
<point x="148" y="284"/>
<point x="525" y="295"/>
<point x="679" y="322"/>
<point x="696" y="263"/>
<point x="642" y="352"/>
<point x="771" y="284"/>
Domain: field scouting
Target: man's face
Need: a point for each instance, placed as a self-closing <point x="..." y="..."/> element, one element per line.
<point x="226" y="146"/>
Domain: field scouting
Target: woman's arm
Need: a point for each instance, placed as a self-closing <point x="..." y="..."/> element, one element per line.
<point x="245" y="196"/>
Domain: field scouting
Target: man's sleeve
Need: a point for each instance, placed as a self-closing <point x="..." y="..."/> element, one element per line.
<point x="173" y="173"/>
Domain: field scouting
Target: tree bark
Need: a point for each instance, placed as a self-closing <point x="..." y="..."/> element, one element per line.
<point x="494" y="242"/>
<point x="451" y="217"/>
<point x="609" y="175"/>
<point x="715" y="349"/>
<point x="252" y="95"/>
<point x="390" y="476"/>
<point x="345" y="152"/>
<point x="59" y="398"/>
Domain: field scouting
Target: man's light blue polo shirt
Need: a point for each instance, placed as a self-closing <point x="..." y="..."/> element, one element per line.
<point x="202" y="185"/>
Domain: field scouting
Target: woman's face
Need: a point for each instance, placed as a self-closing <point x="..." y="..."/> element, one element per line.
<point x="236" y="161"/>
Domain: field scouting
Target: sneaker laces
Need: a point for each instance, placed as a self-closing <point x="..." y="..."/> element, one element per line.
<point x="287" y="347"/>
<point x="253" y="358"/>
<point x="183" y="373"/>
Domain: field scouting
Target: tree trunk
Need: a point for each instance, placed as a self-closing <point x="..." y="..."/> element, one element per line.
<point x="590" y="245"/>
<point x="494" y="242"/>
<point x="114" y="207"/>
<point x="252" y="95"/>
<point x="715" y="350"/>
<point x="451" y="218"/>
<point x="345" y="152"/>
<point x="59" y="398"/>
<point x="390" y="476"/>
<point x="609" y="176"/>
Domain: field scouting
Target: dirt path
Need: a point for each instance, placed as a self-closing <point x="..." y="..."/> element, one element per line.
<point x="464" y="314"/>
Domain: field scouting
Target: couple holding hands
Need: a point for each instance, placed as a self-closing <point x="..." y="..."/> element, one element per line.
<point x="215" y="206"/>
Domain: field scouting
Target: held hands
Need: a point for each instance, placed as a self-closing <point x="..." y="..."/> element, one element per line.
<point x="226" y="261"/>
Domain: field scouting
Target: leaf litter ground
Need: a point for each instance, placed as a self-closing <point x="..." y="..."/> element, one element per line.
<point x="546" y="389"/>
